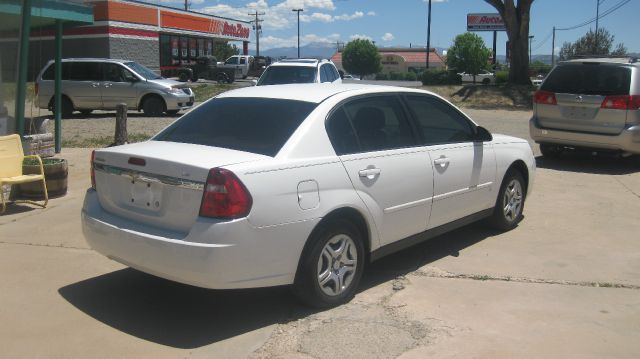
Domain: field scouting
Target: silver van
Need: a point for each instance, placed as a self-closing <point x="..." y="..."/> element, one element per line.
<point x="589" y="104"/>
<point x="101" y="84"/>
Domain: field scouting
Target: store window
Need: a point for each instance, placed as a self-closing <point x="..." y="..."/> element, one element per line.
<point x="8" y="71"/>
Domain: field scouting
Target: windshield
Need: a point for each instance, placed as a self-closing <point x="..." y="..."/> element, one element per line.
<point x="278" y="75"/>
<point x="143" y="71"/>
<point x="257" y="125"/>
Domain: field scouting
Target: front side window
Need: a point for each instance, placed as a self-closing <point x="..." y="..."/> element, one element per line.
<point x="278" y="75"/>
<point x="143" y="71"/>
<point x="439" y="122"/>
<point x="117" y="73"/>
<point x="257" y="125"/>
<point x="84" y="71"/>
<point x="379" y="123"/>
<point x="232" y="61"/>
<point x="324" y="76"/>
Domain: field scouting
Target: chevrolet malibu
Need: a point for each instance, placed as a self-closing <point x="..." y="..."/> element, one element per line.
<point x="301" y="185"/>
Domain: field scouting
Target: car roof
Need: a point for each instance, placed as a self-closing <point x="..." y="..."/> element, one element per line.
<point x="315" y="93"/>
<point x="299" y="62"/>
<point x="93" y="59"/>
<point x="608" y="60"/>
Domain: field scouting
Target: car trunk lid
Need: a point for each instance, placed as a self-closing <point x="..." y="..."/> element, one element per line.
<point x="159" y="183"/>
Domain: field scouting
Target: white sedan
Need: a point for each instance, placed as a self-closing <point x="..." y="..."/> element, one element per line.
<point x="302" y="185"/>
<point x="484" y="77"/>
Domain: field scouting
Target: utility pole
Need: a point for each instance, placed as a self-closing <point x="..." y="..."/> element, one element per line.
<point x="258" y="29"/>
<point x="186" y="5"/>
<point x="597" y="17"/>
<point x="530" y="39"/>
<point x="428" y="34"/>
<point x="298" y="11"/>
<point x="553" y="48"/>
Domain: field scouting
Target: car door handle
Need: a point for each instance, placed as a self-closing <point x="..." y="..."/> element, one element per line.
<point x="108" y="84"/>
<point x="95" y="84"/>
<point x="369" y="172"/>
<point x="442" y="161"/>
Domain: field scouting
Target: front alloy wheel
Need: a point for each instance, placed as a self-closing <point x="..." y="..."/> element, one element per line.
<point x="510" y="203"/>
<point x="512" y="200"/>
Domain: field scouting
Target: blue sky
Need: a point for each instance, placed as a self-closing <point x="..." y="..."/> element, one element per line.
<point x="404" y="22"/>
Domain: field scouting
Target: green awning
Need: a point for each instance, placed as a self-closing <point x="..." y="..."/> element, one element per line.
<point x="45" y="13"/>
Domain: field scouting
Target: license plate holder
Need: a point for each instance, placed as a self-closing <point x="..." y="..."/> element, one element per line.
<point x="146" y="194"/>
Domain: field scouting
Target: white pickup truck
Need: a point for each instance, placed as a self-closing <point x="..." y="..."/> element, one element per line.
<point x="242" y="64"/>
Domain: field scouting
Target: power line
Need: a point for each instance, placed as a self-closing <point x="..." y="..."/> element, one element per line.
<point x="543" y="41"/>
<point x="605" y="13"/>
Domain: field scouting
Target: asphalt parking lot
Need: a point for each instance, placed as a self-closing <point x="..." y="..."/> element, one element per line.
<point x="564" y="283"/>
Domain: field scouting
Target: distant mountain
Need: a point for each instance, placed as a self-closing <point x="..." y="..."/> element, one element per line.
<point x="313" y="50"/>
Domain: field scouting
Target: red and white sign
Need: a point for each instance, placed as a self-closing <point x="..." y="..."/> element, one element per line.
<point x="485" y="22"/>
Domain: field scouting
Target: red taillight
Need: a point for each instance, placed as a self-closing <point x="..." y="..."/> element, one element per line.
<point x="621" y="102"/>
<point x="225" y="196"/>
<point x="93" y="171"/>
<point x="545" y="98"/>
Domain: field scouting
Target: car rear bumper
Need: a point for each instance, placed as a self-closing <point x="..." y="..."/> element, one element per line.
<point x="237" y="255"/>
<point x="628" y="140"/>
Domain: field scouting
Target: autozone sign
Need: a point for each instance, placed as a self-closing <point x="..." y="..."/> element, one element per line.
<point x="485" y="22"/>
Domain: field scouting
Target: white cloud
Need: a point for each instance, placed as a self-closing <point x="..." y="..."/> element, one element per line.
<point x="269" y="42"/>
<point x="358" y="36"/>
<point x="388" y="36"/>
<point x="191" y="2"/>
<point x="371" y="13"/>
<point x="280" y="16"/>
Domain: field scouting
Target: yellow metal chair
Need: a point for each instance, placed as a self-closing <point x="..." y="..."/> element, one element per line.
<point x="11" y="158"/>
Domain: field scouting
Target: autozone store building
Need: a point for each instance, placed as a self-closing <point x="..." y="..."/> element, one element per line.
<point x="158" y="37"/>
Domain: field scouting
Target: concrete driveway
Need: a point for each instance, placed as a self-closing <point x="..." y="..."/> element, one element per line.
<point x="565" y="283"/>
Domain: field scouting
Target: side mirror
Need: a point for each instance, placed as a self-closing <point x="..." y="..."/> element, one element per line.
<point x="341" y="74"/>
<point x="254" y="82"/>
<point x="483" y="135"/>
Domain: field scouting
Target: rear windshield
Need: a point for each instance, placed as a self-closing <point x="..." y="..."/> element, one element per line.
<point x="589" y="79"/>
<point x="278" y="75"/>
<point x="257" y="125"/>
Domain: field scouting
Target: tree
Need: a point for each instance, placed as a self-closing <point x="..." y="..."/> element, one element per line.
<point x="361" y="57"/>
<point x="468" y="54"/>
<point x="587" y="45"/>
<point x="516" y="20"/>
<point x="222" y="50"/>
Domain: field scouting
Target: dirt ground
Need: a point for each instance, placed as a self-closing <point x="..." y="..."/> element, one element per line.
<point x="564" y="283"/>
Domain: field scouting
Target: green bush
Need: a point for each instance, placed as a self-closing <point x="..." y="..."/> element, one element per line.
<point x="381" y="76"/>
<point x="410" y="76"/>
<point x="440" y="77"/>
<point x="502" y="77"/>
<point x="396" y="76"/>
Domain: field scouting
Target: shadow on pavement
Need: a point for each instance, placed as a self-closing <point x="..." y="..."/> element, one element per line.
<point x="605" y="164"/>
<point x="187" y="317"/>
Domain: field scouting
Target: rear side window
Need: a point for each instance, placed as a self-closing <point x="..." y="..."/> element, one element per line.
<point x="49" y="73"/>
<point x="84" y="71"/>
<point x="379" y="123"/>
<point x="257" y="125"/>
<point x="589" y="79"/>
<point x="341" y="133"/>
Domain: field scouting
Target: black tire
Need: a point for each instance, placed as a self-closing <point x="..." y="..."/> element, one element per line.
<point x="550" y="151"/>
<point x="501" y="219"/>
<point x="486" y="81"/>
<point x="172" y="112"/>
<point x="222" y="78"/>
<point x="307" y="287"/>
<point x="67" y="107"/>
<point x="153" y="106"/>
<point x="194" y="78"/>
<point x="183" y="76"/>
<point x="86" y="112"/>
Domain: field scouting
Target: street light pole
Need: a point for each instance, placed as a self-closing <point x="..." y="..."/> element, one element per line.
<point x="428" y="34"/>
<point x="595" y="52"/>
<point x="298" y="11"/>
<point x="530" y="38"/>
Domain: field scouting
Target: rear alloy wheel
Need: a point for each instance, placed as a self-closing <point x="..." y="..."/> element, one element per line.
<point x="331" y="269"/>
<point x="222" y="78"/>
<point x="550" y="151"/>
<point x="153" y="106"/>
<point x="510" y="204"/>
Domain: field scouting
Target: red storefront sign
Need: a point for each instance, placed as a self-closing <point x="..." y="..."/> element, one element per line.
<point x="485" y="22"/>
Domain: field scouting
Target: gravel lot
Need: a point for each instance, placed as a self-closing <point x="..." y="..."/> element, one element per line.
<point x="565" y="283"/>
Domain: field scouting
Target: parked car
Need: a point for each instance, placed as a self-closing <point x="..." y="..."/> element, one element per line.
<point x="300" y="71"/>
<point x="101" y="84"/>
<point x="588" y="104"/>
<point x="206" y="67"/>
<point x="301" y="185"/>
<point x="484" y="77"/>
<point x="242" y="64"/>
